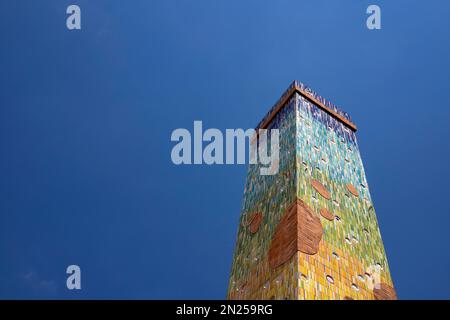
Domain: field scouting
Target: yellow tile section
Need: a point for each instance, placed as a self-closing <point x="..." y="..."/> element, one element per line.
<point x="326" y="276"/>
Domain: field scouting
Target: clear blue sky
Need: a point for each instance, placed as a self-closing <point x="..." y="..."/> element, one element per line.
<point x="86" y="116"/>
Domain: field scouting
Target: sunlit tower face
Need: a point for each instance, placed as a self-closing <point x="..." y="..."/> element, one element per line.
<point x="310" y="231"/>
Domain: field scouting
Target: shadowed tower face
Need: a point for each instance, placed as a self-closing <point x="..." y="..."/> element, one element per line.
<point x="310" y="231"/>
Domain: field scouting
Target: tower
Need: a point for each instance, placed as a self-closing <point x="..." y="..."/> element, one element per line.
<point x="309" y="231"/>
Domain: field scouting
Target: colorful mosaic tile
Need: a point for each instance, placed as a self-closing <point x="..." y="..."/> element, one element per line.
<point x="321" y="182"/>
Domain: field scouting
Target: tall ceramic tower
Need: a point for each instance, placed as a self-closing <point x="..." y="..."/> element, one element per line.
<point x="310" y="231"/>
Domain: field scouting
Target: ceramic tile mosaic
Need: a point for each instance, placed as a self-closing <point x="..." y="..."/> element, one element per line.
<point x="322" y="186"/>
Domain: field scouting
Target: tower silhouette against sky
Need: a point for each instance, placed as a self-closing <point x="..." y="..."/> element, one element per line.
<point x="310" y="231"/>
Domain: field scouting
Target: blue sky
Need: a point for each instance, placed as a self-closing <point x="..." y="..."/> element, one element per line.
<point x="86" y="116"/>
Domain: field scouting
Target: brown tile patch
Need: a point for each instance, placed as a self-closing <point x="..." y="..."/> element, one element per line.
<point x="352" y="189"/>
<point x="326" y="214"/>
<point x="248" y="218"/>
<point x="309" y="229"/>
<point x="284" y="241"/>
<point x="255" y="222"/>
<point x="383" y="291"/>
<point x="320" y="188"/>
<point x="298" y="230"/>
